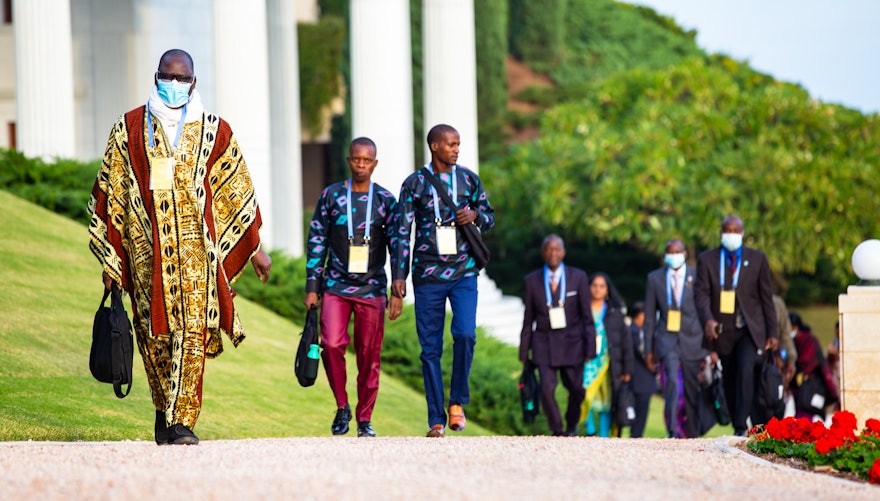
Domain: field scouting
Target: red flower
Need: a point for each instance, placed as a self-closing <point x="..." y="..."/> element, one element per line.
<point x="873" y="426"/>
<point x="817" y="431"/>
<point x="874" y="473"/>
<point x="845" y="420"/>
<point x="828" y="443"/>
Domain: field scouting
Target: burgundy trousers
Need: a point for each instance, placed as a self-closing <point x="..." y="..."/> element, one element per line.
<point x="369" y="331"/>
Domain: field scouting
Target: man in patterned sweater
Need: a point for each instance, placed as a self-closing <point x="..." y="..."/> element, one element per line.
<point x="442" y="268"/>
<point x="174" y="222"/>
<point x="354" y="223"/>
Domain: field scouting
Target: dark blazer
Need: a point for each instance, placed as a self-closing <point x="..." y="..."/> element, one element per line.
<point x="620" y="345"/>
<point x="754" y="298"/>
<point x="689" y="340"/>
<point x="643" y="380"/>
<point x="572" y="345"/>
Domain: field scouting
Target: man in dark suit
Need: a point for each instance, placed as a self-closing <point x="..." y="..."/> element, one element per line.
<point x="674" y="335"/>
<point x="734" y="297"/>
<point x="558" y="331"/>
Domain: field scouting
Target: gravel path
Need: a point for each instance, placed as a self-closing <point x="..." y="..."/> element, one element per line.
<point x="458" y="468"/>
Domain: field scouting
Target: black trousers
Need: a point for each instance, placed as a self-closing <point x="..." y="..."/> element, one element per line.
<point x="573" y="381"/>
<point x="739" y="379"/>
<point x="643" y="404"/>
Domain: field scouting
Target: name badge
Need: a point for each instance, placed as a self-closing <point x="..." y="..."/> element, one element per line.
<point x="161" y="173"/>
<point x="557" y="317"/>
<point x="446" y="245"/>
<point x="358" y="258"/>
<point x="728" y="301"/>
<point x="673" y="320"/>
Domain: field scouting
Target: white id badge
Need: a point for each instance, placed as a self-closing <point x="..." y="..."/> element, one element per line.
<point x="161" y="173"/>
<point x="557" y="317"/>
<point x="446" y="245"/>
<point x="358" y="258"/>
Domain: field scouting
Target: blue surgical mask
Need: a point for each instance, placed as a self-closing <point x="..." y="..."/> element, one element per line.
<point x="175" y="94"/>
<point x="731" y="241"/>
<point x="674" y="261"/>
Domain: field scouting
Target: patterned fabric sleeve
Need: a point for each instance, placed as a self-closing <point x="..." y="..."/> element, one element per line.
<point x="107" y="210"/>
<point x="391" y="218"/>
<point x="405" y="217"/>
<point x="316" y="252"/>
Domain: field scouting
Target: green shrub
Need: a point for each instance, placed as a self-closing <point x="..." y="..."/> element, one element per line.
<point x="63" y="186"/>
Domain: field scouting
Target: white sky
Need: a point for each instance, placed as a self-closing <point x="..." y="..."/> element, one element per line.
<point x="830" y="47"/>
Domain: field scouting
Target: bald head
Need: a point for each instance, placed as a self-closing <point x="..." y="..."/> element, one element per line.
<point x="732" y="224"/>
<point x="172" y="54"/>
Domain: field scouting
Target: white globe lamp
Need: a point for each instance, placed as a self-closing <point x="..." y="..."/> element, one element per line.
<point x="866" y="262"/>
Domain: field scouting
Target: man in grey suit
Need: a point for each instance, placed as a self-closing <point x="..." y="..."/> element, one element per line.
<point x="674" y="336"/>
<point x="734" y="297"/>
<point x="558" y="331"/>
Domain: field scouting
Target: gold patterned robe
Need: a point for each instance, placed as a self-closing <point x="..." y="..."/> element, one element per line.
<point x="176" y="251"/>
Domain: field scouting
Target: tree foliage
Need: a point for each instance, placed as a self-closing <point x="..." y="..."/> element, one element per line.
<point x="650" y="155"/>
<point x="537" y="30"/>
<point x="320" y="58"/>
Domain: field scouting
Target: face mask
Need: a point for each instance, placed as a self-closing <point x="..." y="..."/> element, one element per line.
<point x="674" y="261"/>
<point x="175" y="94"/>
<point x="731" y="241"/>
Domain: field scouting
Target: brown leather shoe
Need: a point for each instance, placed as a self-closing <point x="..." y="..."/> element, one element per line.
<point x="436" y="431"/>
<point x="457" y="421"/>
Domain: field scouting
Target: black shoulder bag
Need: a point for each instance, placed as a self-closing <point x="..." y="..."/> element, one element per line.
<point x="307" y="354"/>
<point x="111" y="355"/>
<point x="476" y="247"/>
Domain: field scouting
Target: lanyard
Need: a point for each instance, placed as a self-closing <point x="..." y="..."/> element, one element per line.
<point x="437" y="201"/>
<point x="368" y="217"/>
<point x="179" y="128"/>
<point x="561" y="301"/>
<point x="722" y="266"/>
<point x="669" y="295"/>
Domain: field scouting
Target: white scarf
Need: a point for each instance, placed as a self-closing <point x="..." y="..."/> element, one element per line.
<point x="169" y="117"/>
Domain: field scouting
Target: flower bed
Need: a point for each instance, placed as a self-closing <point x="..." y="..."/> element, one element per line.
<point x="837" y="447"/>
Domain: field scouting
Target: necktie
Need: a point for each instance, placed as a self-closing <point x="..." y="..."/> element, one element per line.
<point x="554" y="282"/>
<point x="675" y="292"/>
<point x="731" y="262"/>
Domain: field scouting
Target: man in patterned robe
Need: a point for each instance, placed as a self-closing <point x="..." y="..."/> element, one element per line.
<point x="174" y="222"/>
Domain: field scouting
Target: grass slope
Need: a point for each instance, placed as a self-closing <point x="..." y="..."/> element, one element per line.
<point x="51" y="289"/>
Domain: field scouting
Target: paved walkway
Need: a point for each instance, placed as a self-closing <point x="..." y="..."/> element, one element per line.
<point x="456" y="468"/>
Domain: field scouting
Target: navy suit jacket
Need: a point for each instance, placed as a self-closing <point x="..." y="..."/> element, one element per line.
<point x="689" y="340"/>
<point x="572" y="345"/>
<point x="754" y="298"/>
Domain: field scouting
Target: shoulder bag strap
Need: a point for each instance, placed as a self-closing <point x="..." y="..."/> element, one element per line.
<point x="441" y="190"/>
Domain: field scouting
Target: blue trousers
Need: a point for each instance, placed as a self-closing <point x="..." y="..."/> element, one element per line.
<point x="430" y="323"/>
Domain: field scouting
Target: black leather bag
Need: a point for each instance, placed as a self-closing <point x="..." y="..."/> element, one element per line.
<point x="719" y="401"/>
<point x="476" y="247"/>
<point x="812" y="395"/>
<point x="112" y="352"/>
<point x="308" y="353"/>
<point x="529" y="392"/>
<point x="626" y="405"/>
<point x="769" y="394"/>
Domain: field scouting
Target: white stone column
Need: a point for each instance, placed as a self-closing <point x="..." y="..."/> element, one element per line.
<point x="381" y="85"/>
<point x="450" y="72"/>
<point x="241" y="59"/>
<point x="859" y="311"/>
<point x="286" y="169"/>
<point x="44" y="78"/>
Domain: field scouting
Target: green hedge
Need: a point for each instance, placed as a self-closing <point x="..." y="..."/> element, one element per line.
<point x="63" y="186"/>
